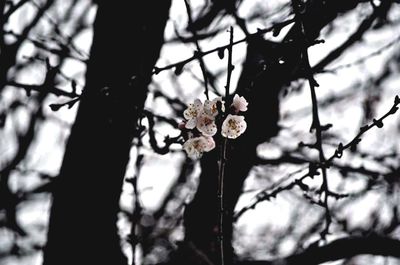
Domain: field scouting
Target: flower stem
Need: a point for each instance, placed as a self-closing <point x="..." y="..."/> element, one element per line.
<point x="222" y="160"/>
<point x="221" y="175"/>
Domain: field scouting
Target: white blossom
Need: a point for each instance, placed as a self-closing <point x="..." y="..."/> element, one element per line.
<point x="210" y="106"/>
<point x="239" y="103"/>
<point x="206" y="124"/>
<point x="192" y="112"/>
<point x="233" y="126"/>
<point x="196" y="146"/>
<point x="200" y="119"/>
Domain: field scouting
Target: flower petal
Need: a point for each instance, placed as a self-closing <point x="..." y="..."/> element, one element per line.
<point x="193" y="110"/>
<point x="239" y="103"/>
<point x="191" y="123"/>
<point x="196" y="146"/>
<point x="197" y="104"/>
<point x="233" y="126"/>
<point x="190" y="148"/>
<point x="210" y="144"/>
<point x="210" y="106"/>
<point x="206" y="125"/>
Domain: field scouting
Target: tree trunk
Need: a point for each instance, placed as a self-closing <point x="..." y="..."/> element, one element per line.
<point x="86" y="199"/>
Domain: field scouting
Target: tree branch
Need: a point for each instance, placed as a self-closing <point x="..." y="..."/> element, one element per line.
<point x="353" y="38"/>
<point x="339" y="249"/>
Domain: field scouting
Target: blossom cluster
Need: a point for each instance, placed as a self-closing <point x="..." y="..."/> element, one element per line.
<point x="200" y="121"/>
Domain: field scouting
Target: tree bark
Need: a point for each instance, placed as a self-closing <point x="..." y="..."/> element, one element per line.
<point x="127" y="39"/>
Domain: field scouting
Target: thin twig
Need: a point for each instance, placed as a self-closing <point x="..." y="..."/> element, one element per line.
<point x="375" y="123"/>
<point x="179" y="64"/>
<point x="362" y="59"/>
<point x="138" y="208"/>
<point x="222" y="160"/>
<point x="354" y="37"/>
<point x="196" y="41"/>
<point x="316" y="124"/>
<point x="263" y="195"/>
<point x="53" y="90"/>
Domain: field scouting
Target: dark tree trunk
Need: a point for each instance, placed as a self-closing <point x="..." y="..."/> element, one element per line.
<point x="127" y="39"/>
